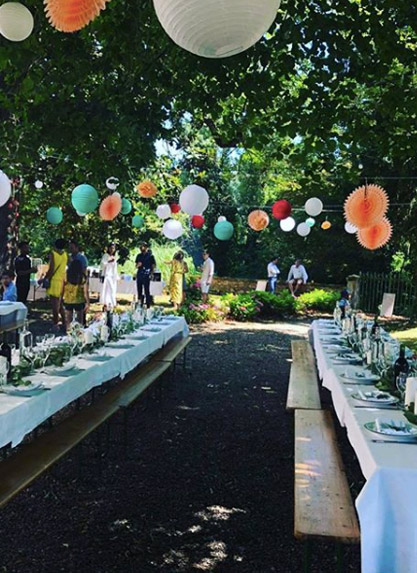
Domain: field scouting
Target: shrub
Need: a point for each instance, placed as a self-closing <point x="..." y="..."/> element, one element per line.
<point x="275" y="305"/>
<point x="243" y="306"/>
<point x="317" y="299"/>
<point x="199" y="313"/>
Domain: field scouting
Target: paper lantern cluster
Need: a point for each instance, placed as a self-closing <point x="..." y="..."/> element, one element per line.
<point x="147" y="189"/>
<point x="110" y="207"/>
<point x="258" y="220"/>
<point x="16" y="21"/>
<point x="216" y="28"/>
<point x="54" y="215"/>
<point x="72" y="15"/>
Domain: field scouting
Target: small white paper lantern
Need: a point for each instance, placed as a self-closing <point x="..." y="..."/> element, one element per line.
<point x="38" y="184"/>
<point x="16" y="21"/>
<point x="349" y="228"/>
<point x="287" y="224"/>
<point x="303" y="229"/>
<point x="194" y="200"/>
<point x="112" y="183"/>
<point x="163" y="211"/>
<point x="5" y="188"/>
<point x="221" y="218"/>
<point x="313" y="207"/>
<point x="172" y="229"/>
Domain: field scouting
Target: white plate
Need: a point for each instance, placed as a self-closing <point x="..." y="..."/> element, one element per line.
<point x="393" y="430"/>
<point x="361" y="376"/>
<point x="375" y="397"/>
<point x="23" y="390"/>
<point x="336" y="348"/>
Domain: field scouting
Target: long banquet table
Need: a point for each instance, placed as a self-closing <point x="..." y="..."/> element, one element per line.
<point x="21" y="415"/>
<point x="387" y="504"/>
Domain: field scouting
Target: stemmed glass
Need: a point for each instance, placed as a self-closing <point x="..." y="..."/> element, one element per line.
<point x="401" y="382"/>
<point x="3" y="374"/>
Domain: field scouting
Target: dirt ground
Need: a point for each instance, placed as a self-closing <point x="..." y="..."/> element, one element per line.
<point x="207" y="482"/>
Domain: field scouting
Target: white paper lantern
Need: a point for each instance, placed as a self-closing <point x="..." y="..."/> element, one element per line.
<point x="172" y="229"/>
<point x="38" y="184"/>
<point x="163" y="211"/>
<point x="5" y="188"/>
<point x="287" y="224"/>
<point x="303" y="229"/>
<point x="221" y="218"/>
<point x="349" y="228"/>
<point x="16" y="21"/>
<point x="216" y="28"/>
<point x="194" y="200"/>
<point x="313" y="207"/>
<point x="112" y="183"/>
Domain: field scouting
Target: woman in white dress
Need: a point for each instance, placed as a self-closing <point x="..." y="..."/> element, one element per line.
<point x="108" y="267"/>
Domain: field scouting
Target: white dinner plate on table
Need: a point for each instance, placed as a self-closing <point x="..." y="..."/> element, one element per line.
<point x="97" y="357"/>
<point x="28" y="390"/>
<point x="68" y="369"/>
<point x="375" y="397"/>
<point x="136" y="337"/>
<point x="151" y="329"/>
<point x="395" y="430"/>
<point x="345" y="359"/>
<point x="170" y="317"/>
<point x="361" y="376"/>
<point x="332" y="348"/>
<point x="121" y="346"/>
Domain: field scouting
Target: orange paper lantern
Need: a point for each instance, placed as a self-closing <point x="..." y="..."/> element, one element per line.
<point x="366" y="206"/>
<point x="110" y="207"/>
<point x="147" y="189"/>
<point x="72" y="15"/>
<point x="376" y="236"/>
<point x="258" y="220"/>
<point x="326" y="225"/>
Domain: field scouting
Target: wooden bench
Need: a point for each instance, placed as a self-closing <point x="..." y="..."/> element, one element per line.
<point x="322" y="500"/>
<point x="171" y="351"/>
<point x="303" y="388"/>
<point x="32" y="459"/>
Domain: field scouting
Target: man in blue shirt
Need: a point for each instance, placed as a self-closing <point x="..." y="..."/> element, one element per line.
<point x="9" y="288"/>
<point x="145" y="263"/>
<point x="74" y="249"/>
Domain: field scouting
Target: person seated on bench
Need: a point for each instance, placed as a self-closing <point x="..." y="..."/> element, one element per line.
<point x="296" y="277"/>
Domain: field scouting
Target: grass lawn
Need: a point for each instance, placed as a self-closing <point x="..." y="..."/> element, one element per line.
<point x="407" y="337"/>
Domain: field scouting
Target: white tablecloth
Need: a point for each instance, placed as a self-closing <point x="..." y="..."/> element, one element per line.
<point x="387" y="504"/>
<point x="127" y="287"/>
<point x="12" y="313"/>
<point x="21" y="415"/>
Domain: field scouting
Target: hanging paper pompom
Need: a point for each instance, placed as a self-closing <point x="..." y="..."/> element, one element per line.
<point x="313" y="207"/>
<point x="110" y="207"/>
<point x="197" y="221"/>
<point x="194" y="200"/>
<point x="303" y="229"/>
<point x="126" y="206"/>
<point x="84" y="198"/>
<point x="172" y="229"/>
<point x="287" y="224"/>
<point x="175" y="208"/>
<point x="72" y="15"/>
<point x="5" y="188"/>
<point x="258" y="220"/>
<point x="138" y="221"/>
<point x="376" y="236"/>
<point x="54" y="215"/>
<point x="366" y="206"/>
<point x="223" y="230"/>
<point x="326" y="225"/>
<point x="163" y="211"/>
<point x="147" y="189"/>
<point x="349" y="228"/>
<point x="16" y="21"/>
<point x="310" y="222"/>
<point x="281" y="209"/>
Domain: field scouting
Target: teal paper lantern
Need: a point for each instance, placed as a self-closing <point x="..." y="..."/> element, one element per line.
<point x="223" y="230"/>
<point x="138" y="221"/>
<point x="84" y="198"/>
<point x="54" y="215"/>
<point x="310" y="222"/>
<point x="126" y="206"/>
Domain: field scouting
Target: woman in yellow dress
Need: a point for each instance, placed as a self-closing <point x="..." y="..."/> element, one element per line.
<point x="178" y="270"/>
<point x="55" y="275"/>
<point x="76" y="298"/>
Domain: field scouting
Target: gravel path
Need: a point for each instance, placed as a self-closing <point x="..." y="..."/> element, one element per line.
<point x="207" y="486"/>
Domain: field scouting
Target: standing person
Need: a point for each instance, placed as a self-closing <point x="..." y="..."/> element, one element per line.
<point x="273" y="272"/>
<point x="145" y="263"/>
<point x="54" y="279"/>
<point x="9" y="288"/>
<point x="108" y="267"/>
<point x="23" y="268"/>
<point x="76" y="254"/>
<point x="76" y="297"/>
<point x="206" y="275"/>
<point x="176" y="282"/>
<point x="296" y="277"/>
<point x="344" y="303"/>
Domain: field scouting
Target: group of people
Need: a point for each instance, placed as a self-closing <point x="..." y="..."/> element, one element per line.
<point x="297" y="276"/>
<point x="177" y="279"/>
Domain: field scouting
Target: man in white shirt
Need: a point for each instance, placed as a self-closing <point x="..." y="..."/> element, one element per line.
<point x="273" y="272"/>
<point x="207" y="275"/>
<point x="296" y="277"/>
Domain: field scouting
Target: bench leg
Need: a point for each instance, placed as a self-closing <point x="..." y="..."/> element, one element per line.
<point x="307" y="556"/>
<point x="339" y="558"/>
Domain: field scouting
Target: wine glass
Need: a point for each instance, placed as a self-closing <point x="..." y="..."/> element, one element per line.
<point x="401" y="382"/>
<point x="5" y="367"/>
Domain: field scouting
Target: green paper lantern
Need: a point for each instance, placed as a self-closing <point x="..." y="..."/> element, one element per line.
<point x="126" y="206"/>
<point x="223" y="230"/>
<point x="138" y="221"/>
<point x="84" y="198"/>
<point x="54" y="215"/>
<point x="310" y="222"/>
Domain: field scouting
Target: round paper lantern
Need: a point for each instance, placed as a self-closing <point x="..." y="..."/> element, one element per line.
<point x="172" y="229"/>
<point x="376" y="236"/>
<point x="175" y="208"/>
<point x="310" y="222"/>
<point x="72" y="15"/>
<point x="366" y="206"/>
<point x="349" y="228"/>
<point x="313" y="207"/>
<point x="326" y="225"/>
<point x="221" y="218"/>
<point x="112" y="183"/>
<point x="163" y="211"/>
<point x="223" y="230"/>
<point x="303" y="229"/>
<point x="138" y="221"/>
<point x="194" y="200"/>
<point x="147" y="189"/>
<point x="126" y="206"/>
<point x="197" y="221"/>
<point x="54" y="215"/>
<point x="16" y="21"/>
<point x="5" y="188"/>
<point x="38" y="184"/>
<point x="281" y="209"/>
<point x="84" y="198"/>
<point x="258" y="220"/>
<point x="110" y="207"/>
<point x="215" y="28"/>
<point x="287" y="224"/>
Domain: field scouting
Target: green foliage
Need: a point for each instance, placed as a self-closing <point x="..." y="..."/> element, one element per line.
<point x="273" y="305"/>
<point x="197" y="313"/>
<point x="317" y="299"/>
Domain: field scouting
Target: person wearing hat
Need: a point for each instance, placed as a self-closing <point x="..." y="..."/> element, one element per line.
<point x="145" y="263"/>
